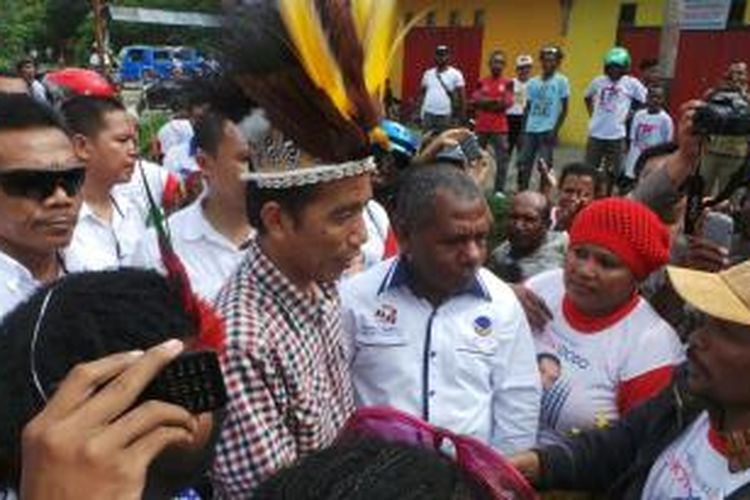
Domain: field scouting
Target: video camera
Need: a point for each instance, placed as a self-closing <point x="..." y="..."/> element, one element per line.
<point x="725" y="113"/>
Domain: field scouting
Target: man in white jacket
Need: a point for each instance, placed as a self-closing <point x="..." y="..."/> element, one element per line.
<point x="432" y="333"/>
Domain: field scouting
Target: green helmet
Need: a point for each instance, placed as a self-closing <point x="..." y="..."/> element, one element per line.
<point x="618" y="56"/>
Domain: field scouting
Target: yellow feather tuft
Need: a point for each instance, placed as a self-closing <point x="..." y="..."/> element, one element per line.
<point x="402" y="34"/>
<point x="303" y="24"/>
<point x="361" y="10"/>
<point x="378" y="136"/>
<point x="377" y="43"/>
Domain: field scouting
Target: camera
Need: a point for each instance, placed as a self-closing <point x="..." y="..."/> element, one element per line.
<point x="725" y="113"/>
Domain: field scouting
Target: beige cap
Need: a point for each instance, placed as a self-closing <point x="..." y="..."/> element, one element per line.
<point x="524" y="60"/>
<point x="724" y="295"/>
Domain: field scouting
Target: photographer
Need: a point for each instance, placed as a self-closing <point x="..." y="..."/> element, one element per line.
<point x="726" y="153"/>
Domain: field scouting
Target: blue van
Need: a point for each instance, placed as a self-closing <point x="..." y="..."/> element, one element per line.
<point x="189" y="59"/>
<point x="139" y="61"/>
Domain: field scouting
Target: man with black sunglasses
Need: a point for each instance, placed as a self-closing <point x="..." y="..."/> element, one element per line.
<point x="40" y="183"/>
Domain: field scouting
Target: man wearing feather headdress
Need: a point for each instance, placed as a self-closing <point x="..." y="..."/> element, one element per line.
<point x="317" y="68"/>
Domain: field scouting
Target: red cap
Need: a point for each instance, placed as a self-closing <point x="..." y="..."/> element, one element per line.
<point x="78" y="81"/>
<point x="626" y="228"/>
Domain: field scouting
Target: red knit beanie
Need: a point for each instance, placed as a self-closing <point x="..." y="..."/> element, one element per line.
<point x="626" y="228"/>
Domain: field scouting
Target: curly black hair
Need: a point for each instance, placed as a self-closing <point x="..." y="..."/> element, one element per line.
<point x="372" y="470"/>
<point x="87" y="316"/>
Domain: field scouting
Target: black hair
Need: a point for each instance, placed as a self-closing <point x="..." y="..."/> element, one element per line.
<point x="85" y="115"/>
<point x="88" y="316"/>
<point x="191" y="94"/>
<point x="546" y="355"/>
<point x="647" y="64"/>
<point x="497" y="52"/>
<point x="653" y="152"/>
<point x="209" y="131"/>
<point x="415" y="204"/>
<point x="21" y="111"/>
<point x="292" y="200"/>
<point x="554" y="50"/>
<point x="580" y="169"/>
<point x="656" y="87"/>
<point x="23" y="62"/>
<point x="372" y="469"/>
<point x="545" y="211"/>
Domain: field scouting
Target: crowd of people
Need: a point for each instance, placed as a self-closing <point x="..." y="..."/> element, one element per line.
<point x="371" y="343"/>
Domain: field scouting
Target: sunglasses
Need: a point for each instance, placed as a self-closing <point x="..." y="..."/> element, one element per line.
<point x="41" y="184"/>
<point x="498" y="477"/>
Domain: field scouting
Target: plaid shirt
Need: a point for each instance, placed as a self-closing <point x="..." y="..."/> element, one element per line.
<point x="286" y="374"/>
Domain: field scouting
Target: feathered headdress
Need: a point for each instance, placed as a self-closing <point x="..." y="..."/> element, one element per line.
<point x="318" y="69"/>
<point x="208" y="326"/>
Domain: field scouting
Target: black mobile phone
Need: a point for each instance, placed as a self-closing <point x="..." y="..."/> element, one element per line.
<point x="193" y="380"/>
<point x="471" y="148"/>
<point x="719" y="229"/>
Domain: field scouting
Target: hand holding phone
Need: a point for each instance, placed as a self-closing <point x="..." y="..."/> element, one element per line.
<point x="719" y="229"/>
<point x="193" y="381"/>
<point x="471" y="148"/>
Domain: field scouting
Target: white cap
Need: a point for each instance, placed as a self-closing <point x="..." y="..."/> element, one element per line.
<point x="524" y="60"/>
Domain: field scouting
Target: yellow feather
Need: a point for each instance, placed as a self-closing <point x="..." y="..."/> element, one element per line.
<point x="304" y="26"/>
<point x="361" y="10"/>
<point x="405" y="31"/>
<point x="377" y="44"/>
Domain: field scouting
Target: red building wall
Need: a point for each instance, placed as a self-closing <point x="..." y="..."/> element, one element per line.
<point x="419" y="56"/>
<point x="703" y="57"/>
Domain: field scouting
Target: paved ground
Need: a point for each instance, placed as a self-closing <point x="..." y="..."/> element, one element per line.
<point x="562" y="156"/>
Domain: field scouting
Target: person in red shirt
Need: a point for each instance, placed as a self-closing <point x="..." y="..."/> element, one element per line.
<point x="493" y="96"/>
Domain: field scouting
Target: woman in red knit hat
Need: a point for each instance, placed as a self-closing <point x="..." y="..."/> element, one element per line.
<point x="605" y="349"/>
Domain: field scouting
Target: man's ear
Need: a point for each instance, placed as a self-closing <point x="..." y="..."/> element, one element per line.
<point x="82" y="147"/>
<point x="277" y="222"/>
<point x="204" y="162"/>
<point x="403" y="236"/>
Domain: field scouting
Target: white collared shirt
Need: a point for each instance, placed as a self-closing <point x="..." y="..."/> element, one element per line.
<point x="377" y="226"/>
<point x="468" y="365"/>
<point x="98" y="245"/>
<point x="209" y="257"/>
<point x="16" y="284"/>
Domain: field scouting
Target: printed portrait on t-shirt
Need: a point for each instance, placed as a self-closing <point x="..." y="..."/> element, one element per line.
<point x="608" y="98"/>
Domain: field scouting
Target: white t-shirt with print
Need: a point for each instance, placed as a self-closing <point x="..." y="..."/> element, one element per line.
<point x="582" y="372"/>
<point x="436" y="99"/>
<point x="692" y="468"/>
<point x="646" y="131"/>
<point x="612" y="102"/>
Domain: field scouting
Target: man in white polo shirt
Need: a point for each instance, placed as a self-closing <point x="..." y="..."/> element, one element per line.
<point x="434" y="334"/>
<point x="110" y="223"/>
<point x="40" y="182"/>
<point x="209" y="234"/>
<point x="443" y="98"/>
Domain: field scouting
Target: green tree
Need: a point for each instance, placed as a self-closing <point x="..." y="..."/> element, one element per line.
<point x="21" y="25"/>
<point x="66" y="27"/>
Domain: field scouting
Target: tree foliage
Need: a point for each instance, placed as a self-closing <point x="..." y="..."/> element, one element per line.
<point x="21" y="24"/>
<point x="65" y="26"/>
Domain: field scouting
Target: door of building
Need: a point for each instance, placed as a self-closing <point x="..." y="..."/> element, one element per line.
<point x="419" y="56"/>
<point x="702" y="59"/>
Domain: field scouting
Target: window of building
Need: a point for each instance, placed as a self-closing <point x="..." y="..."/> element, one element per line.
<point x="479" y="17"/>
<point x="737" y="13"/>
<point x="454" y="18"/>
<point x="627" y="14"/>
<point x="430" y="18"/>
